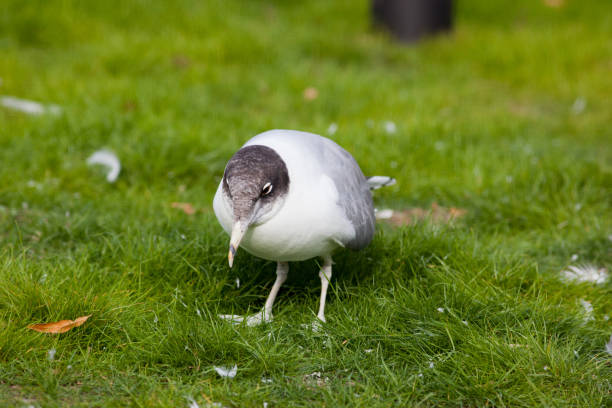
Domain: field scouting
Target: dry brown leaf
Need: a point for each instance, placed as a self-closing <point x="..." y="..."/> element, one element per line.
<point x="129" y="105"/>
<point x="181" y="61"/>
<point x="59" y="327"/>
<point x="554" y="3"/>
<point x="437" y="214"/>
<point x="186" y="207"/>
<point x="311" y="93"/>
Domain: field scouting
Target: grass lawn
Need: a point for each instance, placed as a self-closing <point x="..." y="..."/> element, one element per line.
<point x="508" y="119"/>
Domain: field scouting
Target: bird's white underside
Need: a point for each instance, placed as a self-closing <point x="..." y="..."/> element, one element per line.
<point x="308" y="224"/>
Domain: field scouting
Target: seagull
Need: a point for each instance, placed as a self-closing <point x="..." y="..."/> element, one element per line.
<point x="290" y="196"/>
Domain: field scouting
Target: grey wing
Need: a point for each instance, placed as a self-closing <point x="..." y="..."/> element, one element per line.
<point x="353" y="193"/>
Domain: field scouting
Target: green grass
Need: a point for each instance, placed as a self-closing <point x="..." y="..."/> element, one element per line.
<point x="484" y="122"/>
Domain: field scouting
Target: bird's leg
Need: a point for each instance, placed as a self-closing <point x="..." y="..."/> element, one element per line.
<point x="265" y="316"/>
<point x="282" y="269"/>
<point x="325" y="275"/>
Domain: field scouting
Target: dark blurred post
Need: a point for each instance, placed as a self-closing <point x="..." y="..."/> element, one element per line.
<point x="410" y="20"/>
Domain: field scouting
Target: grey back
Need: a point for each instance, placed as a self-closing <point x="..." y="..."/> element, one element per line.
<point x="354" y="194"/>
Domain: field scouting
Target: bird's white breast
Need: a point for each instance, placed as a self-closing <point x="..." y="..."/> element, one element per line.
<point x="310" y="222"/>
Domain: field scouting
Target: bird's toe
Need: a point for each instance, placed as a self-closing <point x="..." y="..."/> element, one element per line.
<point x="251" y="320"/>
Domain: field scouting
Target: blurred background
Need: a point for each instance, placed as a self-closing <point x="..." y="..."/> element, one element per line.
<point x="175" y="87"/>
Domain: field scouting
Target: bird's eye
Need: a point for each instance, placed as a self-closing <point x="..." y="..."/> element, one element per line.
<point x="267" y="189"/>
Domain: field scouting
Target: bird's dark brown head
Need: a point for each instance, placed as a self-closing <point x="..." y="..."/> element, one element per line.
<point x="254" y="178"/>
<point x="256" y="182"/>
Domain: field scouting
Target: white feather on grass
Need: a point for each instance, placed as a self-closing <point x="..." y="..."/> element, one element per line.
<point x="107" y="159"/>
<point x="390" y="127"/>
<point x="609" y="347"/>
<point x="585" y="273"/>
<point x="332" y="129"/>
<point x="588" y="310"/>
<point x="384" y="214"/>
<point x="29" y="107"/>
<point x="192" y="402"/>
<point x="227" y="372"/>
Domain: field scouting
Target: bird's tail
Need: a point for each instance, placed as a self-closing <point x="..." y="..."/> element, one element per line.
<point x="376" y="182"/>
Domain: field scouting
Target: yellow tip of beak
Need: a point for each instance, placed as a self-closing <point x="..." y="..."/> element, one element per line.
<point x="238" y="231"/>
<point x="230" y="255"/>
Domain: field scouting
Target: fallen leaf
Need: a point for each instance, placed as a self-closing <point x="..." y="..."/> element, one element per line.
<point x="59" y="327"/>
<point x="181" y="61"/>
<point x="129" y="106"/>
<point x="554" y="3"/>
<point x="186" y="207"/>
<point x="311" y="93"/>
<point x="437" y="214"/>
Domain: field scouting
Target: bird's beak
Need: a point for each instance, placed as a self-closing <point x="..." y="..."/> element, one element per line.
<point x="238" y="231"/>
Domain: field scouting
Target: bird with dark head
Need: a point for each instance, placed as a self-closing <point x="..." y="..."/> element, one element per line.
<point x="255" y="179"/>
<point x="290" y="196"/>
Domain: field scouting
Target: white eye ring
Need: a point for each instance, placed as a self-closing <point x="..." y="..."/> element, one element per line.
<point x="267" y="189"/>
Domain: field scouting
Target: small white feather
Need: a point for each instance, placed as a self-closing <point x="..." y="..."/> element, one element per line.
<point x="585" y="273"/>
<point x="30" y="107"/>
<point x="579" y="106"/>
<point x="227" y="372"/>
<point x="588" y="309"/>
<point x="390" y="127"/>
<point x="192" y="402"/>
<point x="107" y="159"/>
<point x="384" y="214"/>
<point x="332" y="129"/>
<point x="609" y="346"/>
